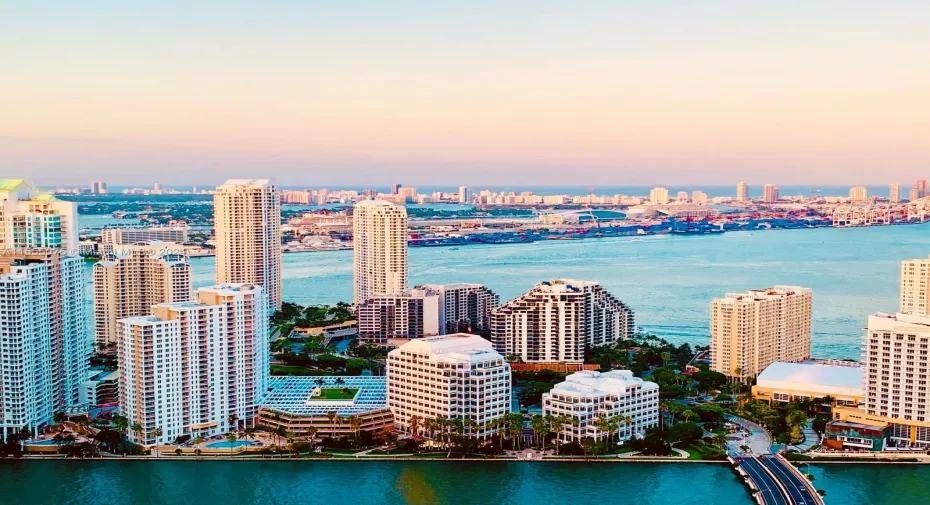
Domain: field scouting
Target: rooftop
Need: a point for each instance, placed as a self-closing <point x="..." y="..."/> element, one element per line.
<point x="292" y="395"/>
<point x="593" y="383"/>
<point x="767" y="293"/>
<point x="453" y="347"/>
<point x="813" y="377"/>
<point x="379" y="203"/>
<point x="249" y="183"/>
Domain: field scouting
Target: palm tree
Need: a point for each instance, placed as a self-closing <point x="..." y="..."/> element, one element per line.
<point x="355" y="425"/>
<point x="603" y="425"/>
<point x="719" y="440"/>
<point x="312" y="431"/>
<point x="290" y="436"/>
<point x="515" y="428"/>
<point x="414" y="425"/>
<point x="687" y="414"/>
<point x="319" y="381"/>
<point x="121" y="423"/>
<point x="331" y="415"/>
<point x="558" y="426"/>
<point x="60" y="417"/>
<point x="340" y="381"/>
<point x="248" y="433"/>
<point x="231" y="438"/>
<point x="157" y="432"/>
<point x="137" y="429"/>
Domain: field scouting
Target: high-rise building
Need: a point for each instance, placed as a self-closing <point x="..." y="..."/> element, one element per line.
<point x="395" y="188"/>
<point x="464" y="195"/>
<point x="128" y="281"/>
<point x="913" y="194"/>
<point x="921" y="186"/>
<point x="770" y="193"/>
<point x="98" y="188"/>
<point x="248" y="235"/>
<point x="30" y="218"/>
<point x="894" y="193"/>
<point x="742" y="192"/>
<point x="588" y="395"/>
<point x="749" y="331"/>
<point x="556" y="320"/>
<point x="915" y="286"/>
<point x="896" y="373"/>
<point x="455" y="376"/>
<point x="858" y="194"/>
<point x="407" y="195"/>
<point x="188" y="368"/>
<point x="658" y="196"/>
<point x="698" y="197"/>
<point x="428" y="310"/>
<point x="380" y="248"/>
<point x="42" y="336"/>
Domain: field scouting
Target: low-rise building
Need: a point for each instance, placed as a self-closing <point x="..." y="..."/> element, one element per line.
<point x="100" y="388"/>
<point x="326" y="404"/>
<point x="811" y="380"/>
<point x="456" y="376"/>
<point x="589" y="395"/>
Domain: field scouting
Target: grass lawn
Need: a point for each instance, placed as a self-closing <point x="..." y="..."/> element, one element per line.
<point x="335" y="394"/>
<point x="699" y="451"/>
<point x="296" y="370"/>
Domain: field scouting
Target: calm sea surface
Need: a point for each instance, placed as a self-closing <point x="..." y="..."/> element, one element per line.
<point x="669" y="281"/>
<point x="421" y="483"/>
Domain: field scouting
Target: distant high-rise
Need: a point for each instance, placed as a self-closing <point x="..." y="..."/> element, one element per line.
<point x="750" y="331"/>
<point x="128" y="281"/>
<point x="658" y="196"/>
<point x="30" y="218"/>
<point x="380" y="248"/>
<point x="127" y="235"/>
<point x="698" y="196"/>
<point x="556" y="320"/>
<point x="188" y="368"/>
<point x="915" y="286"/>
<point x="921" y="186"/>
<point x="98" y="187"/>
<point x="682" y="196"/>
<point x="464" y="194"/>
<point x="409" y="195"/>
<point x="770" y="193"/>
<point x="157" y="189"/>
<point x="858" y="194"/>
<point x="894" y="193"/>
<point x="43" y="338"/>
<point x="395" y="188"/>
<point x="247" y="217"/>
<point x="742" y="192"/>
<point x="913" y="194"/>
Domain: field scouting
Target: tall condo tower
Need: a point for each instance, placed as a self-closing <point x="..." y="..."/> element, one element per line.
<point x="30" y="218"/>
<point x="556" y="320"/>
<point x="750" y="331"/>
<point x="380" y="248"/>
<point x="188" y="368"/>
<point x="42" y="336"/>
<point x="248" y="235"/>
<point x="915" y="286"/>
<point x="128" y="281"/>
<point x="742" y="192"/>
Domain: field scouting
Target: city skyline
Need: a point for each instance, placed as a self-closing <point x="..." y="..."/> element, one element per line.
<point x="642" y="93"/>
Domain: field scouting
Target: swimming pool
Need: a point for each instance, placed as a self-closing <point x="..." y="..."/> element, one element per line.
<point x="227" y="445"/>
<point x="43" y="442"/>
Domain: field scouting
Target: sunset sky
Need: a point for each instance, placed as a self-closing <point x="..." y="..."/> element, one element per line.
<point x="482" y="92"/>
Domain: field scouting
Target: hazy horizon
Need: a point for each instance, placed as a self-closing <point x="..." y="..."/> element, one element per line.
<point x="661" y="92"/>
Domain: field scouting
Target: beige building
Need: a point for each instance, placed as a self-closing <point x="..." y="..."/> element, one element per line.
<point x="456" y="376"/>
<point x="248" y="235"/>
<point x="894" y="193"/>
<point x="751" y="330"/>
<point x="811" y="380"/>
<point x="556" y="320"/>
<point x="770" y="193"/>
<point x="380" y="248"/>
<point x="858" y="194"/>
<point x="190" y="366"/>
<point x="742" y="192"/>
<point x="130" y="280"/>
<point x="915" y="286"/>
<point x="658" y="196"/>
<point x="120" y="235"/>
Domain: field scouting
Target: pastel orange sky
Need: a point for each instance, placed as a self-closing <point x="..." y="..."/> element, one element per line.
<point x="544" y="92"/>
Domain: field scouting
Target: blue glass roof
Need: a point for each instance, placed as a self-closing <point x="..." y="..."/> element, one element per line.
<point x="289" y="394"/>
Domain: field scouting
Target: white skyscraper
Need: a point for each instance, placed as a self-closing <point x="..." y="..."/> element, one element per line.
<point x="894" y="193"/>
<point x="247" y="216"/>
<point x="30" y="218"/>
<point x="915" y="286"/>
<point x="380" y="248"/>
<point x="190" y="366"/>
<point x="455" y="376"/>
<point x="742" y="192"/>
<point x="464" y="194"/>
<point x="43" y="340"/>
<point x="556" y="320"/>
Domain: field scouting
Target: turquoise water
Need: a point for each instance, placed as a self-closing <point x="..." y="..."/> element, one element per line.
<point x="43" y="442"/>
<point x="669" y="281"/>
<point x="421" y="483"/>
<point x="229" y="445"/>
